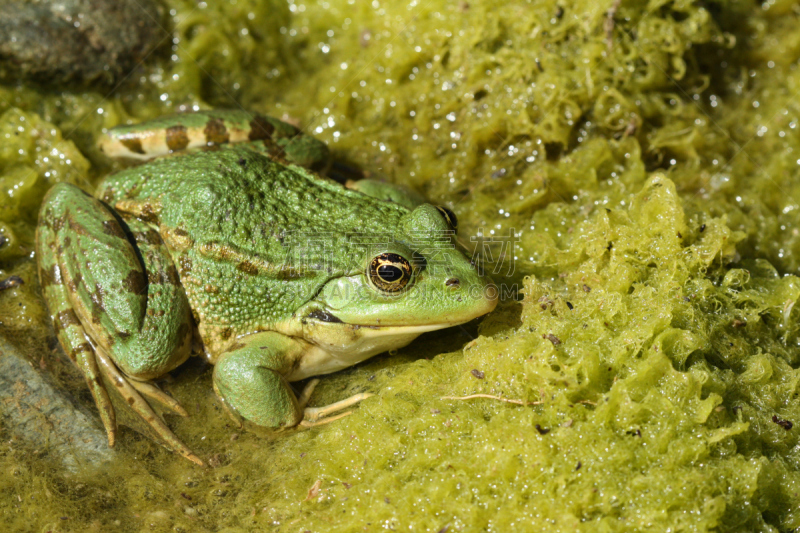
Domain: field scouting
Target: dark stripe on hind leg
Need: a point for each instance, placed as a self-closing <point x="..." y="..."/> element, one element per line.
<point x="134" y="145"/>
<point x="216" y="132"/>
<point x="260" y="129"/>
<point x="177" y="138"/>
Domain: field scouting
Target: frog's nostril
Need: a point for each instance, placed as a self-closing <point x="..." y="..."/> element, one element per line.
<point x="453" y="282"/>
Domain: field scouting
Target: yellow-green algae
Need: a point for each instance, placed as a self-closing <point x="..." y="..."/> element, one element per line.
<point x="645" y="153"/>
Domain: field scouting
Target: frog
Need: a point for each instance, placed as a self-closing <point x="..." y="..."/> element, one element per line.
<point x="227" y="241"/>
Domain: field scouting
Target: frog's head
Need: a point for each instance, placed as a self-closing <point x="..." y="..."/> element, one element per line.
<point x="409" y="282"/>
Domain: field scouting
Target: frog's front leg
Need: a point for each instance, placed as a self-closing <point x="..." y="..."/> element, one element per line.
<point x="249" y="379"/>
<point x="118" y="309"/>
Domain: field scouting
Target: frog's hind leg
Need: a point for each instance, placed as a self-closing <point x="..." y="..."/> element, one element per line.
<point x="142" y="408"/>
<point x="71" y="334"/>
<point x="119" y="309"/>
<point x="214" y="128"/>
<point x="175" y="133"/>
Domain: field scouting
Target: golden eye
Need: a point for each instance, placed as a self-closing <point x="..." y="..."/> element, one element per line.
<point x="390" y="272"/>
<point x="449" y="217"/>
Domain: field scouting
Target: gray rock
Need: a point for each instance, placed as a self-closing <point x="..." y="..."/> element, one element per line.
<point x="42" y="415"/>
<point x="77" y="41"/>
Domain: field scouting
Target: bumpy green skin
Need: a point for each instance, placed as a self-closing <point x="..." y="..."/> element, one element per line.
<point x="271" y="259"/>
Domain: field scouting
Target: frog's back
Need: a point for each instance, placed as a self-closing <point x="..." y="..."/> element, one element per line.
<point x="239" y="195"/>
<point x="253" y="238"/>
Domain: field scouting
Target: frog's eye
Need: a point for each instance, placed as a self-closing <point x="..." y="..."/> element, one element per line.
<point x="390" y="272"/>
<point x="449" y="217"/>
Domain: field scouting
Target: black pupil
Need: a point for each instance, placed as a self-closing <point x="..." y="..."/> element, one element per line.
<point x="390" y="273"/>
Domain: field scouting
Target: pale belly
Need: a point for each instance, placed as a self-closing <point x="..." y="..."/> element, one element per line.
<point x="351" y="345"/>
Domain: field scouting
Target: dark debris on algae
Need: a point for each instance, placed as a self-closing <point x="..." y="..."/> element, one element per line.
<point x="630" y="172"/>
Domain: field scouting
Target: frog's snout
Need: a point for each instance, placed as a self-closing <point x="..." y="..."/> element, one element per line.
<point x="453" y="283"/>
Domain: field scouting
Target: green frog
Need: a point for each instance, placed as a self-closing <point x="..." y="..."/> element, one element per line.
<point x="229" y="242"/>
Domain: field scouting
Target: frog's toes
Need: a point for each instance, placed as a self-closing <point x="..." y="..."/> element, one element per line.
<point x="317" y="416"/>
<point x="305" y="395"/>
<point x="131" y="395"/>
<point x="151" y="391"/>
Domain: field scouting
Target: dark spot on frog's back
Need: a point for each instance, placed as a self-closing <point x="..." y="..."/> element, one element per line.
<point x="289" y="273"/>
<point x="57" y="224"/>
<point x="135" y="282"/>
<point x="177" y="138"/>
<point x="172" y="275"/>
<point x="48" y="276"/>
<point x="64" y="319"/>
<point x="247" y="267"/>
<point x="216" y="132"/>
<point x="211" y="289"/>
<point x="260" y="128"/>
<point x="148" y="214"/>
<point x="150" y="237"/>
<point x="112" y="227"/>
<point x="77" y="228"/>
<point x="72" y="285"/>
<point x="226" y="333"/>
<point x="81" y="348"/>
<point x="132" y="144"/>
<point x="164" y="277"/>
<point x="98" y="306"/>
<point x="186" y="264"/>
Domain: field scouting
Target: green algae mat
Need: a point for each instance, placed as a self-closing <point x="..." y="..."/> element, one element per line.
<point x="629" y="173"/>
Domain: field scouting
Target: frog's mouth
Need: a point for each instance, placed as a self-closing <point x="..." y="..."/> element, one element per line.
<point x="316" y="312"/>
<point x="356" y="342"/>
<point x="326" y="317"/>
<point x="342" y="338"/>
<point x="335" y="345"/>
<point x="324" y="328"/>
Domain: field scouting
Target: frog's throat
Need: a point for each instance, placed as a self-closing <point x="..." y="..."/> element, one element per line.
<point x="334" y="346"/>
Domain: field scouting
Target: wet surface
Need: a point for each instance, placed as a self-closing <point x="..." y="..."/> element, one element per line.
<point x="45" y="417"/>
